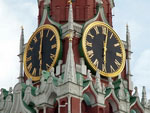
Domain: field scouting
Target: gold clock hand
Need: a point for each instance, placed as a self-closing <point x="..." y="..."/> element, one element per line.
<point x="40" y="51"/>
<point x="105" y="49"/>
<point x="105" y="46"/>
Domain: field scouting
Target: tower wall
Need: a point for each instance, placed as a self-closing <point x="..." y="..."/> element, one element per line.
<point x="83" y="10"/>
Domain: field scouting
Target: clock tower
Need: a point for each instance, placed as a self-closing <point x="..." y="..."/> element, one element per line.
<point x="74" y="63"/>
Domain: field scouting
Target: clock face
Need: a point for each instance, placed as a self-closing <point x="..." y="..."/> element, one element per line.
<point x="41" y="51"/>
<point x="103" y="49"/>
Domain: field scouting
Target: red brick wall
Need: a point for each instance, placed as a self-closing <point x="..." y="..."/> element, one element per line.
<point x="75" y="108"/>
<point x="83" y="10"/>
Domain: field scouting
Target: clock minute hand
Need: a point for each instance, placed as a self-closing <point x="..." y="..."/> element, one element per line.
<point x="105" y="46"/>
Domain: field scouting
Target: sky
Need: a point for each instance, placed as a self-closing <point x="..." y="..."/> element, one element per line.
<point x="17" y="13"/>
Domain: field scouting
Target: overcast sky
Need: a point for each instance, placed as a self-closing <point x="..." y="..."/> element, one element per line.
<point x="15" y="13"/>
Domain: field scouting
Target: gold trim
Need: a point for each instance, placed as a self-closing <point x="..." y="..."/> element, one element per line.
<point x="85" y="33"/>
<point x="46" y="26"/>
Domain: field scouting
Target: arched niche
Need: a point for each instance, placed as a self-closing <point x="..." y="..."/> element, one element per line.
<point x="89" y="98"/>
<point x="52" y="98"/>
<point x="111" y="106"/>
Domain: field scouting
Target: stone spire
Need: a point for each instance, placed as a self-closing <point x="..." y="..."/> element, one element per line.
<point x="144" y="98"/>
<point x="129" y="57"/>
<point x="21" y="55"/>
<point x="70" y="17"/>
<point x="71" y="25"/>
<point x="70" y="72"/>
<point x="128" y="49"/>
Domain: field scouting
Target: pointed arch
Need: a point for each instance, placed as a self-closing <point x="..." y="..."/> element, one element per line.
<point x="90" y="92"/>
<point x="136" y="105"/>
<point x="111" y="102"/>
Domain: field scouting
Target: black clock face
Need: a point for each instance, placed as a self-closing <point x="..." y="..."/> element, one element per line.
<point x="103" y="49"/>
<point x="41" y="51"/>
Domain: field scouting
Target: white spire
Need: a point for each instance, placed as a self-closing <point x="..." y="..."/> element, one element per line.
<point x="144" y="98"/>
<point x="70" y="73"/>
<point x="21" y="55"/>
<point x="70" y="17"/>
<point x="128" y="57"/>
<point x="128" y="48"/>
<point x="21" y="40"/>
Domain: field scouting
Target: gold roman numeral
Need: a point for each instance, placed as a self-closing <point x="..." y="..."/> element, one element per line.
<point x="117" y="44"/>
<point x="53" y="46"/>
<point x="35" y="39"/>
<point x="34" y="72"/>
<point x="52" y="56"/>
<point x="118" y="54"/>
<point x="104" y="68"/>
<point x="90" y="53"/>
<point x="117" y="63"/>
<point x="90" y="35"/>
<point x="30" y="48"/>
<point x="52" y="38"/>
<point x="88" y="44"/>
<point x="111" y="36"/>
<point x="47" y="66"/>
<point x="96" y="30"/>
<point x="29" y="67"/>
<point x="41" y="33"/>
<point x="47" y="33"/>
<point x="96" y="62"/>
<point x="112" y="69"/>
<point x="104" y="30"/>
<point x="29" y="58"/>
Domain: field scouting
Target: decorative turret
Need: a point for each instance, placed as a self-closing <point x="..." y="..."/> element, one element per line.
<point x="144" y="98"/>
<point x="98" y="85"/>
<point x="21" y="79"/>
<point x="136" y="94"/>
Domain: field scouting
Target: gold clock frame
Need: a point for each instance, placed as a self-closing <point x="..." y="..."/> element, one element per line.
<point x="87" y="29"/>
<point x="46" y="26"/>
